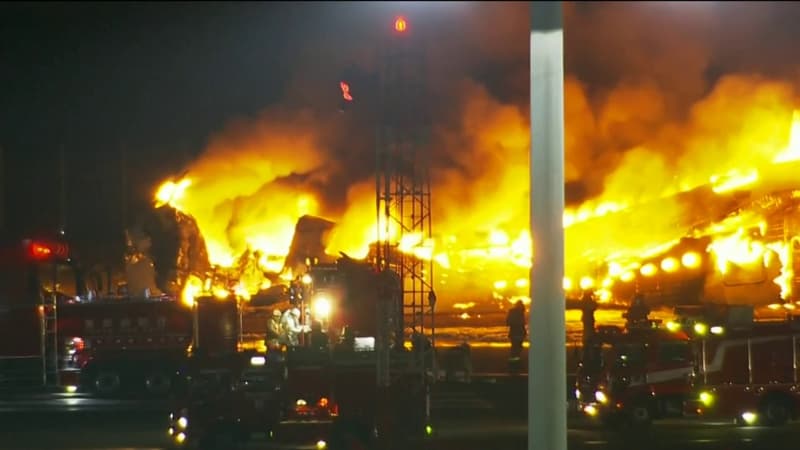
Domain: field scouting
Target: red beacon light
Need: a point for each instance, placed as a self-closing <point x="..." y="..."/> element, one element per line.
<point x="400" y="24"/>
<point x="40" y="251"/>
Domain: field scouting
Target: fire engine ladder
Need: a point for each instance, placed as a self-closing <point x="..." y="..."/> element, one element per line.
<point x="49" y="310"/>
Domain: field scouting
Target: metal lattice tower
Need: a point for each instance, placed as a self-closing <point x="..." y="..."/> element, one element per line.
<point x="403" y="195"/>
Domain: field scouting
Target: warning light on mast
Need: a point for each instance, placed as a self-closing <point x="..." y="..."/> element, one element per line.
<point x="400" y="24"/>
<point x="345" y="91"/>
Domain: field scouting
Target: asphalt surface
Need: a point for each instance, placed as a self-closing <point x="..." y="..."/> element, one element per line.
<point x="77" y="422"/>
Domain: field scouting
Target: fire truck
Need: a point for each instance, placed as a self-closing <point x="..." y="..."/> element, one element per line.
<point x="57" y="334"/>
<point x="362" y="387"/>
<point x="635" y="375"/>
<point x="748" y="371"/>
<point x="716" y="361"/>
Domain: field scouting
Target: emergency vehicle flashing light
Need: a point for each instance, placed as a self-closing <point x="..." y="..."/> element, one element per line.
<point x="41" y="250"/>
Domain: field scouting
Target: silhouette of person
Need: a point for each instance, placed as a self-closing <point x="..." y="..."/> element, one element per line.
<point x="588" y="307"/>
<point x="638" y="313"/>
<point x="516" y="329"/>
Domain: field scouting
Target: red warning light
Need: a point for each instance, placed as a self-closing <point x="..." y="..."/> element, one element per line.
<point x="400" y="24"/>
<point x="345" y="91"/>
<point x="45" y="250"/>
<point x="40" y="251"/>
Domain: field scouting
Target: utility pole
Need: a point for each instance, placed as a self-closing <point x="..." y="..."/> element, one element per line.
<point x="547" y="377"/>
<point x="62" y="200"/>
<point x="123" y="178"/>
<point x="2" y="190"/>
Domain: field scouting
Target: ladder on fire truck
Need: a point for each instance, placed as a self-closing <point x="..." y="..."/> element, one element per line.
<point x="49" y="327"/>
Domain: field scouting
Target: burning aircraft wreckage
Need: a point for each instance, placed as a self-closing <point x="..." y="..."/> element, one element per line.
<point x="734" y="239"/>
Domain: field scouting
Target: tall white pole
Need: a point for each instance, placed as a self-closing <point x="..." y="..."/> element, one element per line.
<point x="547" y="377"/>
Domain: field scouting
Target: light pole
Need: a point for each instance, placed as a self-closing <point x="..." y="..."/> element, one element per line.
<point x="547" y="377"/>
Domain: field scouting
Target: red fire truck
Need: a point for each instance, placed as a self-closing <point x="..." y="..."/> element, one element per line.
<point x="54" y="333"/>
<point x="749" y="372"/>
<point x="637" y="376"/>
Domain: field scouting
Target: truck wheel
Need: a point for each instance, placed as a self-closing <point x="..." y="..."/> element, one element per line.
<point x="107" y="382"/>
<point x="776" y="411"/>
<point x="158" y="383"/>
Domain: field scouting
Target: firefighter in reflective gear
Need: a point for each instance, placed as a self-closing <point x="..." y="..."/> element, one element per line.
<point x="637" y="315"/>
<point x="516" y="329"/>
<point x="273" y="339"/>
<point x="291" y="327"/>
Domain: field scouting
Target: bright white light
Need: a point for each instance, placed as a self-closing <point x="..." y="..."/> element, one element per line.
<point x="258" y="361"/>
<point x="180" y="437"/>
<point x="749" y="417"/>
<point x="321" y="445"/>
<point x="71" y="389"/>
<point x="717" y="330"/>
<point x="183" y="422"/>
<point x="601" y="397"/>
<point x="322" y="307"/>
<point x="301" y="402"/>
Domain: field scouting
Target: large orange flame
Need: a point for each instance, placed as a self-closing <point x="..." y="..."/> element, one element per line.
<point x="482" y="242"/>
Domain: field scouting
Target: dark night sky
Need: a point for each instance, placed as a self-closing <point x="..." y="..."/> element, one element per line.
<point x="153" y="79"/>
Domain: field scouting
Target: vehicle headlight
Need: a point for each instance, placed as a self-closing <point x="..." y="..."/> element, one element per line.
<point x="578" y="394"/>
<point x="322" y="307"/>
<point x="601" y="397"/>
<point x="706" y="398"/>
<point x="749" y="417"/>
<point x="183" y="422"/>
